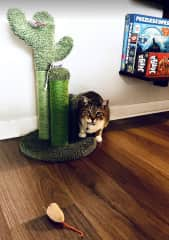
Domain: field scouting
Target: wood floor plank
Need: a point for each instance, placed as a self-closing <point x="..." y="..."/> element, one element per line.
<point x="137" y="155"/>
<point x="106" y="220"/>
<point x="144" y="225"/>
<point x="95" y="221"/>
<point x="54" y="190"/>
<point x="144" y="186"/>
<point x="5" y="233"/>
<point x="19" y="193"/>
<point x="124" y="163"/>
<point x="43" y="228"/>
<point x="119" y="192"/>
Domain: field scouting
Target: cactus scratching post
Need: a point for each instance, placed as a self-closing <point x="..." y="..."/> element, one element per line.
<point x="40" y="36"/>
<point x="35" y="148"/>
<point x="51" y="142"/>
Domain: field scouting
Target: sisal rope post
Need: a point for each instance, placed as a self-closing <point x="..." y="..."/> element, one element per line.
<point x="42" y="105"/>
<point x="59" y="105"/>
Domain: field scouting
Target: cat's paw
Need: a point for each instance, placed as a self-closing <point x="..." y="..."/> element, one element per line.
<point x="82" y="135"/>
<point x="99" y="139"/>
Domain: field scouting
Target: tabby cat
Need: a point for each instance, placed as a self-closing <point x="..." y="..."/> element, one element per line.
<point x="93" y="115"/>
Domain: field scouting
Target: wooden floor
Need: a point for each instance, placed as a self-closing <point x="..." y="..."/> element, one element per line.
<point x="120" y="192"/>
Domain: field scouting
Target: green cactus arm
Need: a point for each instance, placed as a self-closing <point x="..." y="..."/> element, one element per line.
<point x="44" y="17"/>
<point x="20" y="26"/>
<point x="63" y="48"/>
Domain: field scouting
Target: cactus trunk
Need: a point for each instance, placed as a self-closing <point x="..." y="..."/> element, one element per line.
<point x="42" y="105"/>
<point x="59" y="106"/>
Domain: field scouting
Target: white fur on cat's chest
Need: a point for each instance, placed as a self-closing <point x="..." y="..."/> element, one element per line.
<point x="96" y="127"/>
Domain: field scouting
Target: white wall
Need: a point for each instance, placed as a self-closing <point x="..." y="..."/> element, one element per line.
<point x="97" y="30"/>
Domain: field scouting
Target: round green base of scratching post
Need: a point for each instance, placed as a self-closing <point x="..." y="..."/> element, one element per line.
<point x="31" y="146"/>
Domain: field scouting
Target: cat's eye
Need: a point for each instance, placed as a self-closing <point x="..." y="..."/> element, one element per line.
<point x="85" y="113"/>
<point x="99" y="114"/>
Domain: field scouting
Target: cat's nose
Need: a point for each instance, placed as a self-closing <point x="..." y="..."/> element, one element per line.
<point x="93" y="121"/>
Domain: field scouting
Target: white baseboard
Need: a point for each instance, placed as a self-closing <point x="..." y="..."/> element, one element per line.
<point x="19" y="127"/>
<point x="140" y="109"/>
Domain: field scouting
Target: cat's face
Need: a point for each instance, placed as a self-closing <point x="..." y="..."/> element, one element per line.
<point x="92" y="113"/>
<point x="93" y="116"/>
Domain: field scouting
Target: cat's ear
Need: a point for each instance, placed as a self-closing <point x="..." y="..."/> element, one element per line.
<point x="84" y="100"/>
<point x="105" y="103"/>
